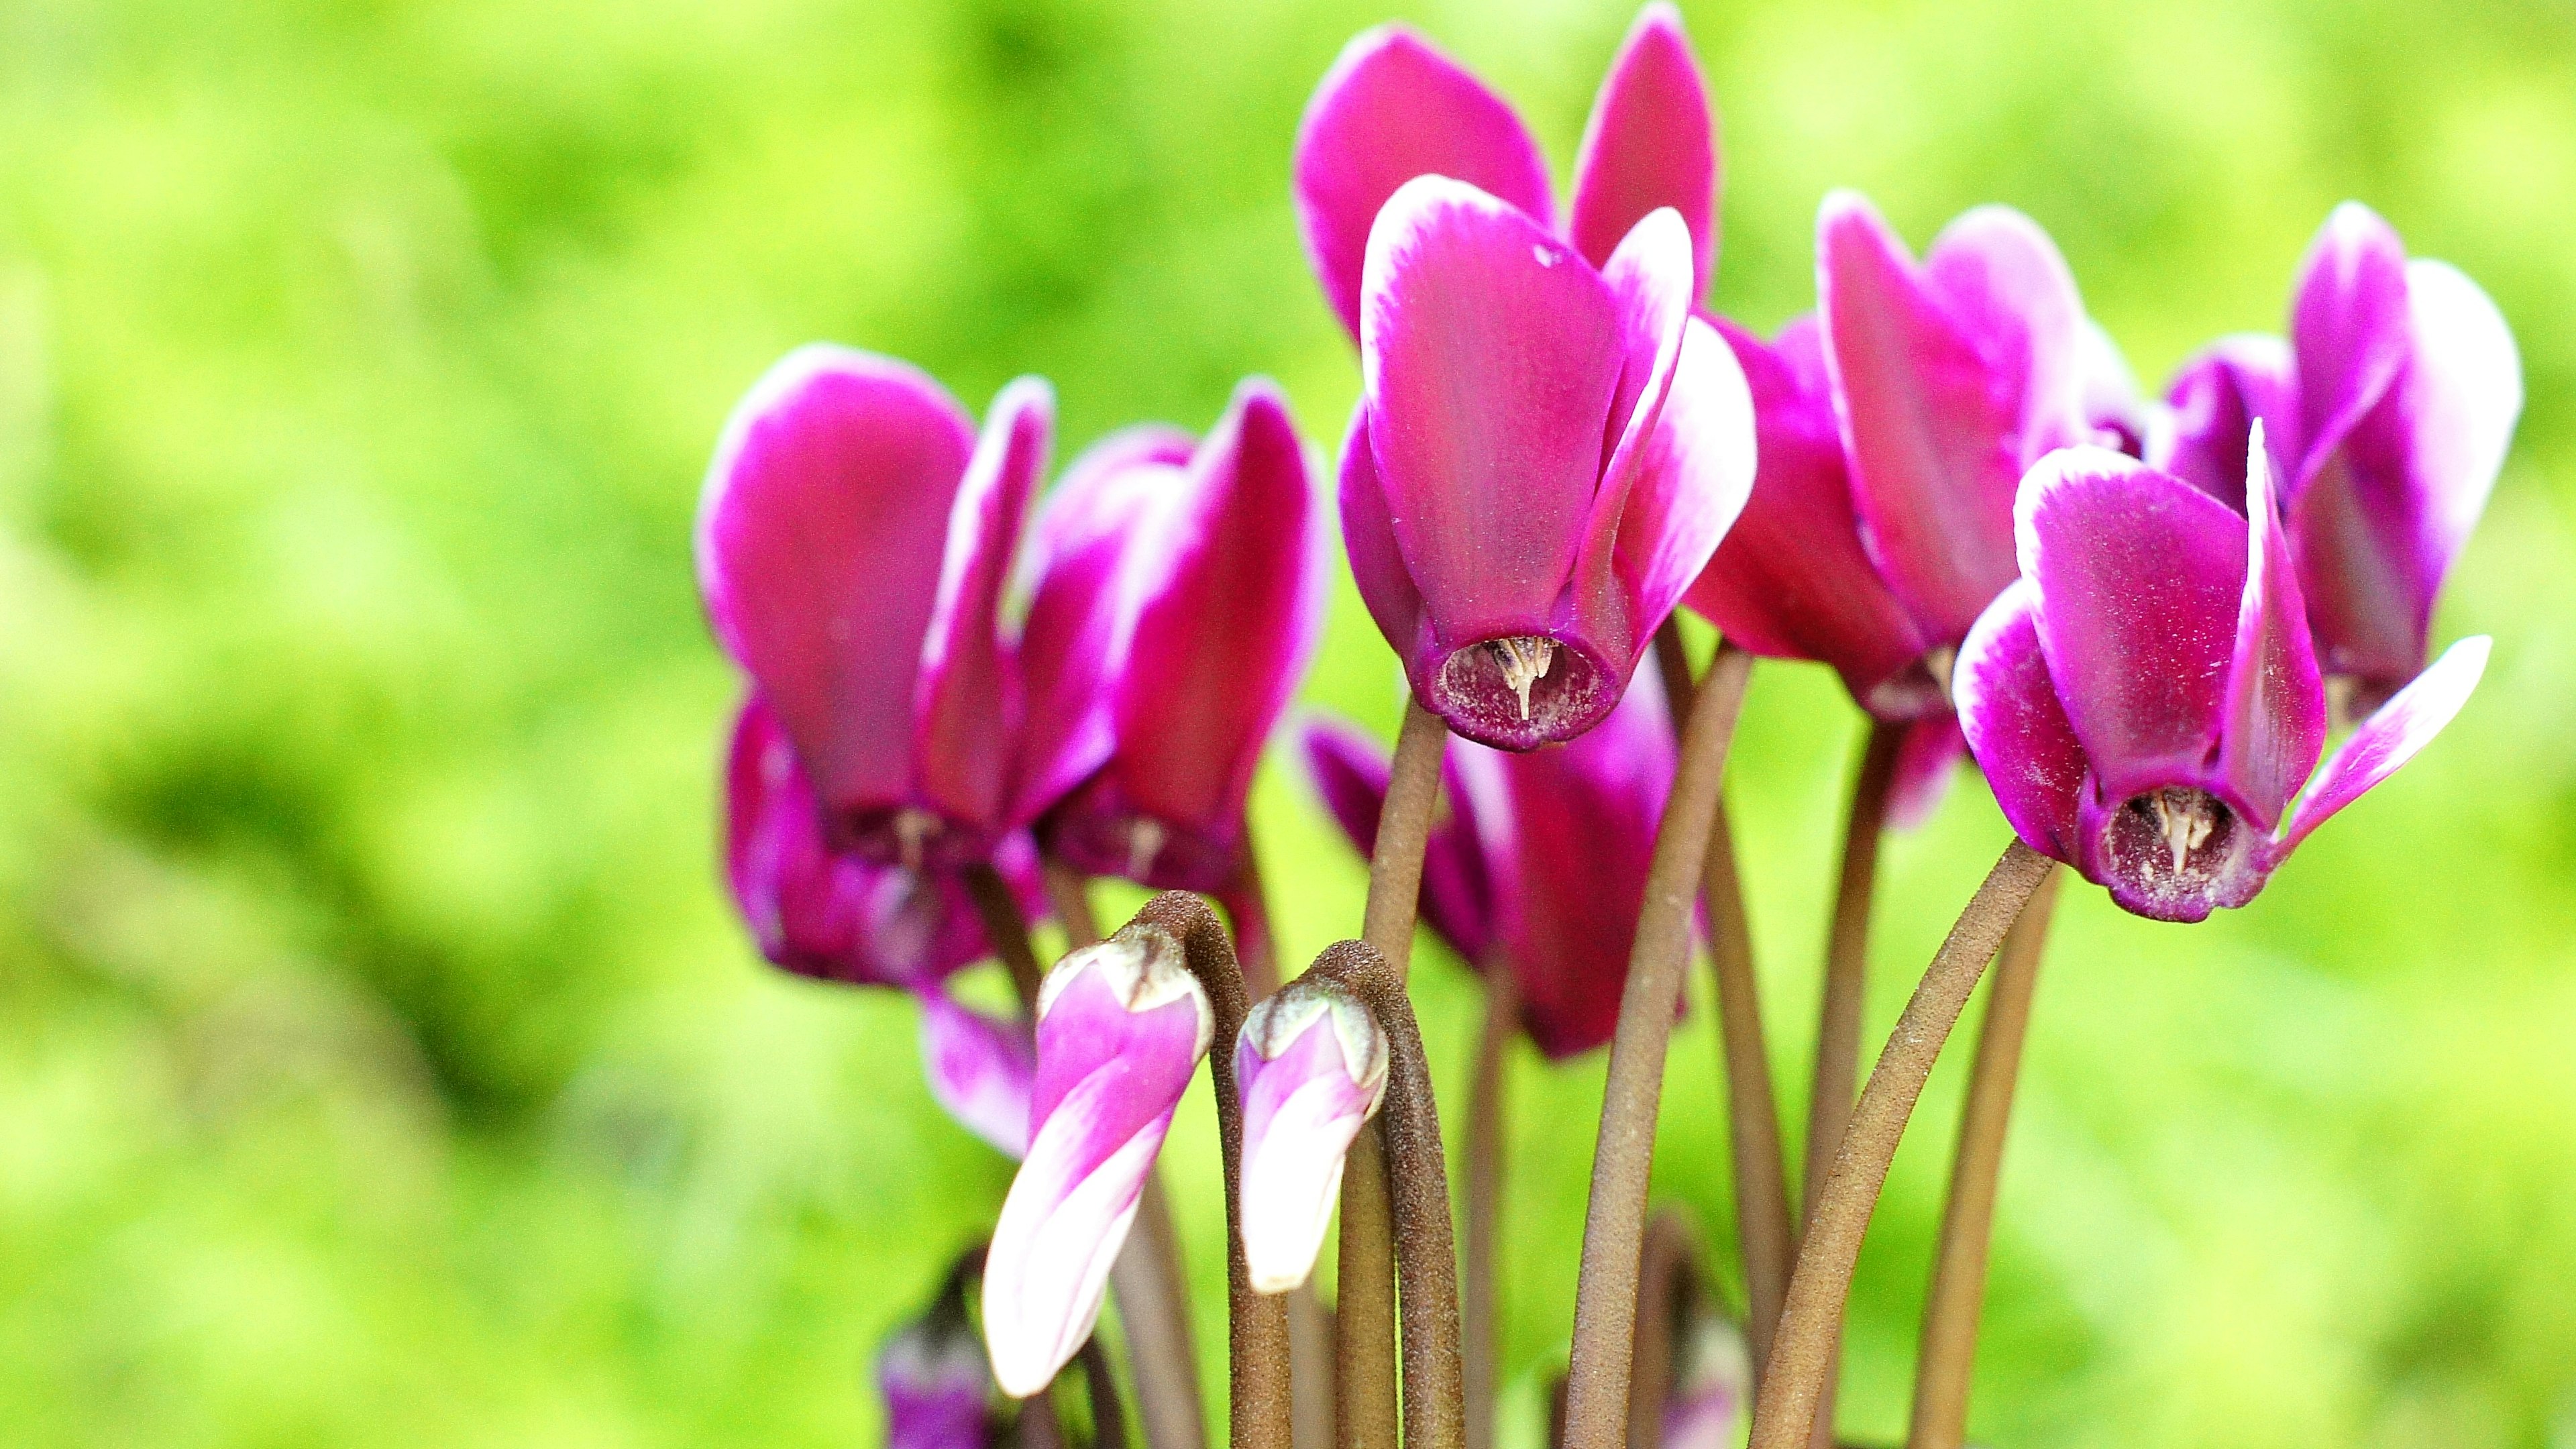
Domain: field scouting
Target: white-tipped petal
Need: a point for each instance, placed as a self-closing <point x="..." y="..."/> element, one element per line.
<point x="1312" y="1068"/>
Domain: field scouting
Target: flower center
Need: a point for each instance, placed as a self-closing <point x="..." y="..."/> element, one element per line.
<point x="1524" y="660"/>
<point x="913" y="829"/>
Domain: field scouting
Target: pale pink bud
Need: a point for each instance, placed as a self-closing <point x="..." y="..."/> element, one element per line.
<point x="1311" y="1065"/>
<point x="1121" y="1028"/>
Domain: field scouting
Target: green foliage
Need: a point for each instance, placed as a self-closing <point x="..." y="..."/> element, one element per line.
<point x="381" y="1065"/>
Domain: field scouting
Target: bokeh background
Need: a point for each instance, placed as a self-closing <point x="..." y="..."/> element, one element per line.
<point x="379" y="1063"/>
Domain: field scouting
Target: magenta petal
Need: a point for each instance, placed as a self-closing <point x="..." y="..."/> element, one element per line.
<point x="1790" y="579"/>
<point x="1350" y="774"/>
<point x="1927" y="761"/>
<point x="2348" y="323"/>
<point x="1932" y="438"/>
<point x="936" y="1389"/>
<point x="1377" y="563"/>
<point x="2016" y="726"/>
<point x="2217" y="398"/>
<point x="2140" y="579"/>
<point x="1651" y="143"/>
<point x="967" y="703"/>
<point x="2006" y="286"/>
<point x="1691" y="482"/>
<point x="1393" y="108"/>
<point x="979" y="1070"/>
<point x="2391" y="737"/>
<point x="1489" y="353"/>
<point x="2276" y="702"/>
<point x="1649" y="278"/>
<point x="819" y="540"/>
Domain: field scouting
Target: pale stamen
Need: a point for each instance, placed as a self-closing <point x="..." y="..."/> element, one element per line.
<point x="1524" y="660"/>
<point x="2186" y="817"/>
<point x="913" y="828"/>
<point x="1144" y="841"/>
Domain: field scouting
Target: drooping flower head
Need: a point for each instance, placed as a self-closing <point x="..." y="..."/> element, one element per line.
<point x="1547" y="444"/>
<point x="1178" y="599"/>
<point x="1540" y="868"/>
<point x="853" y="542"/>
<point x="1121" y="1028"/>
<point x="1311" y="1064"/>
<point x="2146" y="701"/>
<point x="2389" y="411"/>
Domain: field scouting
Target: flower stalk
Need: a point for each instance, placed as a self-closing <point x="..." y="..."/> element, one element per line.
<point x="1485" y="1146"/>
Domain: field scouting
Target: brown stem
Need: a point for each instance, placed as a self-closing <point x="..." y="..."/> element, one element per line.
<point x="1605" y="1299"/>
<point x="1038" y="1426"/>
<point x="1426" y="1254"/>
<point x="1485" y="1141"/>
<point x="1256" y="1325"/>
<point x="1967" y="1226"/>
<point x="1846" y="989"/>
<point x="1366" y="1321"/>
<point x="1008" y="931"/>
<point x="1667" y="1284"/>
<point x="1765" y="1233"/>
<point x="1802" y="1356"/>
<point x="1247" y="906"/>
<point x="1153" y="1298"/>
<point x="1108" y="1417"/>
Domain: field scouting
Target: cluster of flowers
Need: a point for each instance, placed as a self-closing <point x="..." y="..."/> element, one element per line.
<point x="2140" y="617"/>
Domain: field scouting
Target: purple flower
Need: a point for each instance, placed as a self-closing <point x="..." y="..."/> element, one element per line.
<point x="980" y="1070"/>
<point x="853" y="542"/>
<point x="1541" y="865"/>
<point x="1547" y="445"/>
<point x="1714" y="1387"/>
<point x="1311" y="1063"/>
<point x="2146" y="700"/>
<point x="1121" y="1028"/>
<point x="2389" y="411"/>
<point x="1179" y="598"/>
<point x="931" y="1374"/>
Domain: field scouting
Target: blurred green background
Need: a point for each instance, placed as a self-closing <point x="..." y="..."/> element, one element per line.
<point x="379" y="1064"/>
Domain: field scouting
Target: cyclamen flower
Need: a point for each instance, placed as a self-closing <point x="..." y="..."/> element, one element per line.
<point x="2146" y="700"/>
<point x="1540" y="868"/>
<point x="1547" y="445"/>
<point x="1179" y="597"/>
<point x="2389" y="412"/>
<point x="1714" y="1389"/>
<point x="931" y="1374"/>
<point x="853" y="541"/>
<point x="1311" y="1063"/>
<point x="1121" y="1028"/>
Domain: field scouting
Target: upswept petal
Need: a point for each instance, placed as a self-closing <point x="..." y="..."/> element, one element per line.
<point x="966" y="704"/>
<point x="1651" y="142"/>
<point x="1231" y="623"/>
<point x="1927" y="762"/>
<point x="1489" y="353"/>
<point x="2004" y="283"/>
<point x="819" y="539"/>
<point x="1790" y="580"/>
<point x="2275" y="726"/>
<point x="979" y="1070"/>
<point x="2140" y="579"/>
<point x="1349" y="769"/>
<point x="2217" y="398"/>
<point x="2016" y="726"/>
<point x="1931" y="436"/>
<point x="2120" y="418"/>
<point x="1649" y="279"/>
<point x="2463" y="388"/>
<point x="2348" y="323"/>
<point x="1394" y="107"/>
<point x="1311" y="1073"/>
<point x="1692" y="479"/>
<point x="2390" y="737"/>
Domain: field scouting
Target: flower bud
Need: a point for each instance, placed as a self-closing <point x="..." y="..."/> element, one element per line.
<point x="1311" y="1065"/>
<point x="1121" y="1028"/>
<point x="1713" y="1385"/>
<point x="931" y="1375"/>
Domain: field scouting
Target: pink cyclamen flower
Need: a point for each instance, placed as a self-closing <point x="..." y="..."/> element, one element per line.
<point x="1547" y="445"/>
<point x="2389" y="411"/>
<point x="1540" y="868"/>
<point x="1311" y="1064"/>
<point x="1121" y="1028"/>
<point x="1178" y="599"/>
<point x="931" y="1375"/>
<point x="2146" y="700"/>
<point x="853" y="542"/>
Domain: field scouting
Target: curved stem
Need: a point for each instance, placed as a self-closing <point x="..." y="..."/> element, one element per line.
<point x="1605" y="1301"/>
<point x="1485" y="1141"/>
<point x="1366" y="1381"/>
<point x="1108" y="1417"/>
<point x="1667" y="1285"/>
<point x="1426" y="1254"/>
<point x="1006" y="929"/>
<point x="1247" y="907"/>
<point x="1967" y="1225"/>
<point x="1802" y="1356"/>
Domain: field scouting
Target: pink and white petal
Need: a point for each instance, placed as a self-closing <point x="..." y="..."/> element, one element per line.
<point x="1649" y="277"/>
<point x="2140" y="579"/>
<point x="2464" y="392"/>
<point x="2016" y="727"/>
<point x="2390" y="737"/>
<point x="1301" y="1110"/>
<point x="1651" y="142"/>
<point x="966" y="704"/>
<point x="2004" y="282"/>
<point x="2276" y="701"/>
<point x="2217" y="397"/>
<point x="979" y="1070"/>
<point x="2348" y="326"/>
<point x="1394" y="107"/>
<point x="819" y="539"/>
<point x="1377" y="562"/>
<point x="1692" y="479"/>
<point x="1489" y="354"/>
<point x="1927" y="762"/>
<point x="1932" y="441"/>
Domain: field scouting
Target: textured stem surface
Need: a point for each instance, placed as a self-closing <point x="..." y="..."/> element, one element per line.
<point x="1667" y="1281"/>
<point x="1108" y="1417"/>
<point x="1482" y="1297"/>
<point x="1958" y="1294"/>
<point x="1605" y="1300"/>
<point x="1803" y="1353"/>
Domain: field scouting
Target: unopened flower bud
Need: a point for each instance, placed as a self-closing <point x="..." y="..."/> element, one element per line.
<point x="1311" y="1065"/>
